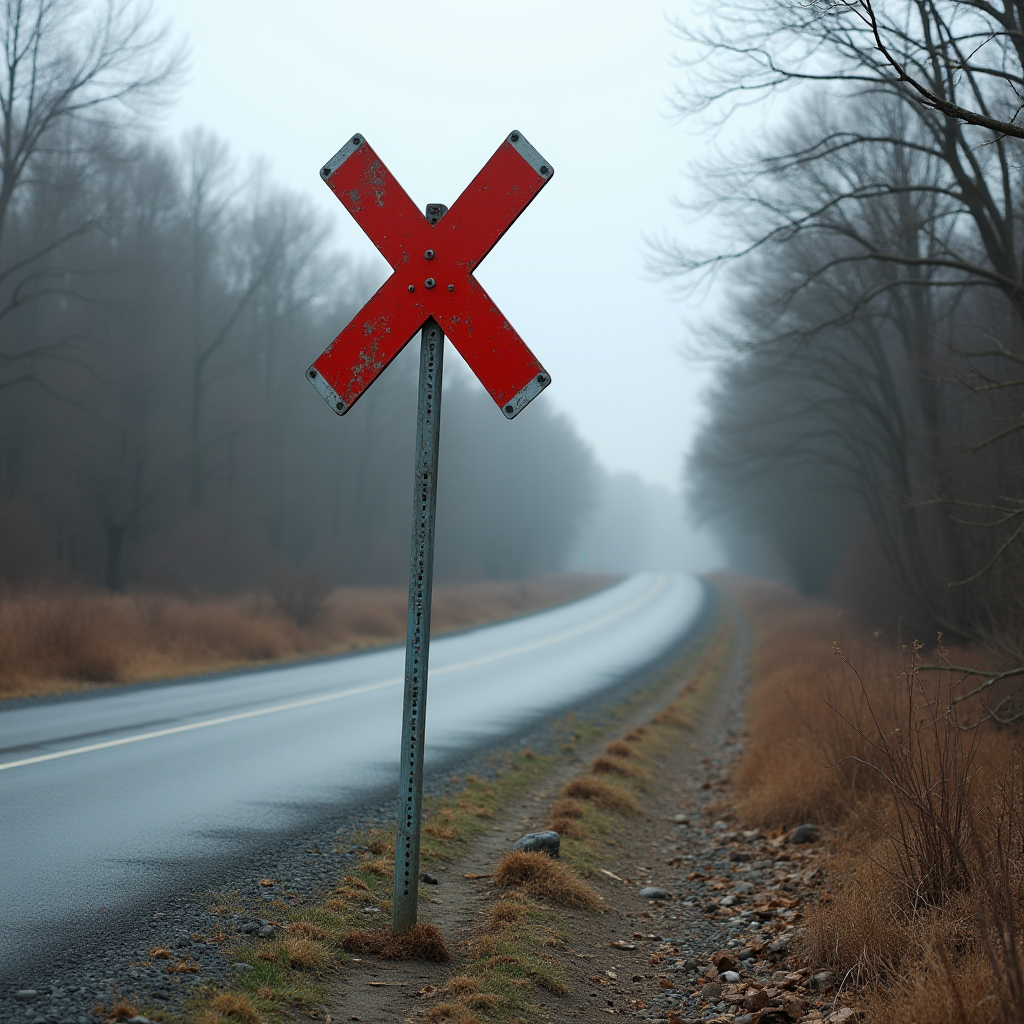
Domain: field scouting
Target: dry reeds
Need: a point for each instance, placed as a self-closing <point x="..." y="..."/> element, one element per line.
<point x="59" y="640"/>
<point x="545" y="878"/>
<point x="421" y="942"/>
<point x="925" y="906"/>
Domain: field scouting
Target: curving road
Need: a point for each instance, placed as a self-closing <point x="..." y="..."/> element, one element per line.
<point x="104" y="798"/>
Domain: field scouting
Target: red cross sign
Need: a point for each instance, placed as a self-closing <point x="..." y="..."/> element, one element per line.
<point x="433" y="274"/>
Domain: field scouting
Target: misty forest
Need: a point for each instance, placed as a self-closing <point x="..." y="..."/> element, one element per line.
<point x="159" y="301"/>
<point x="866" y="433"/>
<point x="158" y="306"/>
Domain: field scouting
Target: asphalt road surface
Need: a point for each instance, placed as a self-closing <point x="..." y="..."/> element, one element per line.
<point x="107" y="798"/>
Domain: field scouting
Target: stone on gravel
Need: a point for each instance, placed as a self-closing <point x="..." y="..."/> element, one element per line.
<point x="727" y="901"/>
<point x="25" y="994"/>
<point x="757" y="1000"/>
<point x="653" y="892"/>
<point x="680" y="819"/>
<point x="820" y="981"/>
<point x="730" y="976"/>
<point x="743" y="1018"/>
<point x="539" y="842"/>
<point x="268" y="931"/>
<point x="805" y="834"/>
<point x="428" y="878"/>
<point x="711" y="993"/>
<point x="743" y="888"/>
<point x="139" y="1019"/>
<point x="793" y="1006"/>
<point x="242" y="967"/>
<point x="724" y="962"/>
<point x="781" y="945"/>
<point x="841" y="1016"/>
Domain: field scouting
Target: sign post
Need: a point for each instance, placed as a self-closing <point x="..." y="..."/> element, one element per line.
<point x="432" y="290"/>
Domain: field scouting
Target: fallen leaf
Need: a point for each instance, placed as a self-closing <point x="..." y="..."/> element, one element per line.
<point x="622" y="945"/>
<point x="611" y="874"/>
<point x="471" y="874"/>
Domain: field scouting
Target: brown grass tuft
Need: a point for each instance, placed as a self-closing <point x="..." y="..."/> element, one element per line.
<point x="567" y="828"/>
<point x="306" y="930"/>
<point x="617" y="766"/>
<point x="460" y="985"/>
<point x="381" y="867"/>
<point x="440" y="832"/>
<point x="620" y="748"/>
<point x="421" y="942"/>
<point x="605" y="795"/>
<point x="122" y="1010"/>
<point x="545" y="878"/>
<point x="305" y="954"/>
<point x="566" y="809"/>
<point x="236" y="1006"/>
<point x="505" y="912"/>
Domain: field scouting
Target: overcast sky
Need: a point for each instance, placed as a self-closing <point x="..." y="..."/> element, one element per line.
<point x="435" y="87"/>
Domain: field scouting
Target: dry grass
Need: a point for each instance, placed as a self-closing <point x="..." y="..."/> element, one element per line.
<point x="306" y="930"/>
<point x="235" y="1006"/>
<point x="546" y="879"/>
<point x="603" y="794"/>
<point x="620" y="748"/>
<point x="121" y="1010"/>
<point x="421" y="942"/>
<point x="58" y="641"/>
<point x="566" y="808"/>
<point x="618" y="766"/>
<point x="926" y="900"/>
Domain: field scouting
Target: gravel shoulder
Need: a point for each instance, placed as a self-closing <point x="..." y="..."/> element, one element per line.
<point x="717" y="944"/>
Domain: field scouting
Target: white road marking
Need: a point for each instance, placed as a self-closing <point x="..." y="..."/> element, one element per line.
<point x="341" y="694"/>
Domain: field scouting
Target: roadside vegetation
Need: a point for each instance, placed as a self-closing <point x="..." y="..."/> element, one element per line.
<point x="924" y="911"/>
<point x="57" y="641"/>
<point x="521" y="923"/>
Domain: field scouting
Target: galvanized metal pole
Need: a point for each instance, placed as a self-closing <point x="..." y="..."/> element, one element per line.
<point x="417" y="644"/>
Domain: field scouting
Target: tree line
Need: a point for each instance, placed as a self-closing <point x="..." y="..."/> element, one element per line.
<point x="158" y="307"/>
<point x="867" y="428"/>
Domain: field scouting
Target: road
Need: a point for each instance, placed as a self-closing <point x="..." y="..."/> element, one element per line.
<point x="105" y="799"/>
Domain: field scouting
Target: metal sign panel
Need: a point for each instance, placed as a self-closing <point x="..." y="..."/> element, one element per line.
<point x="433" y="274"/>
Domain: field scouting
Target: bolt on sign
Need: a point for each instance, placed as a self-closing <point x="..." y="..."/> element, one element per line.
<point x="433" y="291"/>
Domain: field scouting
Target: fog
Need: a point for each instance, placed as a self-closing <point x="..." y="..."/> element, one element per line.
<point x="162" y="289"/>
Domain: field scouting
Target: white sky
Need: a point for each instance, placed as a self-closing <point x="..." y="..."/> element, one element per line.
<point x="435" y="87"/>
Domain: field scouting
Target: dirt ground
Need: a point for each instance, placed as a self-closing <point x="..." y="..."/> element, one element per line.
<point x="615" y="964"/>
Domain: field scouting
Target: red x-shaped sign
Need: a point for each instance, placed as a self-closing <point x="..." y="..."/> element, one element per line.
<point x="433" y="274"/>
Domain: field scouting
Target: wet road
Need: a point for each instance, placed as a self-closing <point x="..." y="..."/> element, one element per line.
<point x="104" y="798"/>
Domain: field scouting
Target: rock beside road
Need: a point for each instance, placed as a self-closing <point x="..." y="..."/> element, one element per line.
<point x="539" y="842"/>
<point x="654" y="892"/>
<point x="805" y="834"/>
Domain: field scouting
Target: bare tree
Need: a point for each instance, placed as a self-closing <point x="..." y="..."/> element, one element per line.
<point x="73" y="73"/>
